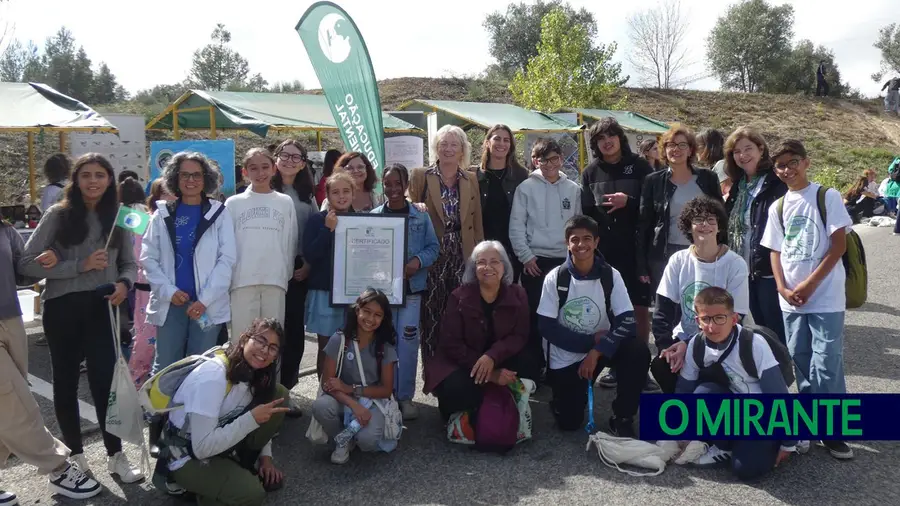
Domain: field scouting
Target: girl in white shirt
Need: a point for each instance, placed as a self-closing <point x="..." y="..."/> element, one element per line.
<point x="231" y="409"/>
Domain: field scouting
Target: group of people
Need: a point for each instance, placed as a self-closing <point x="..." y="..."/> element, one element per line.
<point x="510" y="275"/>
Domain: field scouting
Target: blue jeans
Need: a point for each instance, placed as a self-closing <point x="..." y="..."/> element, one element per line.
<point x="765" y="307"/>
<point x="406" y="321"/>
<point x="180" y="337"/>
<point x="816" y="343"/>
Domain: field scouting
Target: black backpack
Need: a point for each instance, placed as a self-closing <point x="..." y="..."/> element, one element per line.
<point x="745" y="351"/>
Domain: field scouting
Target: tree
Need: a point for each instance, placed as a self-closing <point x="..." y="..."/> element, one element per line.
<point x="515" y="35"/>
<point x="287" y="87"/>
<point x="658" y="51"/>
<point x="105" y="89"/>
<point x="748" y="42"/>
<point x="7" y="27"/>
<point x="797" y="73"/>
<point x="12" y="62"/>
<point x="161" y="93"/>
<point x="218" y="67"/>
<point x="889" y="44"/>
<point x="568" y="71"/>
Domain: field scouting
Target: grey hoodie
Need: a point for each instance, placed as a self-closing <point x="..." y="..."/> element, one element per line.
<point x="539" y="213"/>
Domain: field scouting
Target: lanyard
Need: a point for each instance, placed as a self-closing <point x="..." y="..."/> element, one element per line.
<point x="589" y="428"/>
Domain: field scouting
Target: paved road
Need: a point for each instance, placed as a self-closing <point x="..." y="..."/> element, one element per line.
<point x="554" y="468"/>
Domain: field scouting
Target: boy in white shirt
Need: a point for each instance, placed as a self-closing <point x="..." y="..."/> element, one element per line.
<point x="266" y="233"/>
<point x="807" y="235"/>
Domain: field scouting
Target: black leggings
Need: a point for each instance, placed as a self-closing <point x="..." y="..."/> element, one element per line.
<point x="294" y="333"/>
<point x="77" y="327"/>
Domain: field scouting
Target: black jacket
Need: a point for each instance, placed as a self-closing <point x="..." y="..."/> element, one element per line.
<point x="653" y="231"/>
<point x="511" y="180"/>
<point x="760" y="256"/>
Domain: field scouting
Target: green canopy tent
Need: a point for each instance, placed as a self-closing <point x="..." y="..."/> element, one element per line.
<point x="630" y="121"/>
<point x="256" y="112"/>
<point x="36" y="108"/>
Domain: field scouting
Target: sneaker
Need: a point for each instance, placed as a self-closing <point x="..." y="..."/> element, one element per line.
<point x="651" y="386"/>
<point x="81" y="462"/>
<point x="713" y="457"/>
<point x="174" y="489"/>
<point x="118" y="465"/>
<point x="73" y="483"/>
<point x="608" y="380"/>
<point x="838" y="449"/>
<point x="803" y="447"/>
<point x="693" y="451"/>
<point x="83" y="367"/>
<point x="341" y="454"/>
<point x="41" y="341"/>
<point x="621" y="427"/>
<point x="8" y="498"/>
<point x="295" y="411"/>
<point x="409" y="410"/>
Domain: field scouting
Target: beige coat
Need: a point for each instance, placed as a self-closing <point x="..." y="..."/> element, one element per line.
<point x="427" y="188"/>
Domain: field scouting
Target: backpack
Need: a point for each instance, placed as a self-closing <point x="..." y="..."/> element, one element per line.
<point x="894" y="170"/>
<point x="854" y="258"/>
<point x="156" y="393"/>
<point x="497" y="425"/>
<point x="745" y="353"/>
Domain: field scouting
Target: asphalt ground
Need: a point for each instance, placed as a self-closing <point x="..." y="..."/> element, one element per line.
<point x="554" y="467"/>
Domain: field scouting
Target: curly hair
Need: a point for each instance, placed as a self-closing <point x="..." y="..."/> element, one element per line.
<point x="608" y="126"/>
<point x="689" y="136"/>
<point x="371" y="177"/>
<point x="703" y="206"/>
<point x="74" y="228"/>
<point x="210" y="175"/>
<point x="262" y="381"/>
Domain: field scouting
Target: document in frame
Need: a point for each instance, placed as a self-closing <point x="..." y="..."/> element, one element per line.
<point x="370" y="260"/>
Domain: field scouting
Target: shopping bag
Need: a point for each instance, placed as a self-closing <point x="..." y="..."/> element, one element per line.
<point x="522" y="390"/>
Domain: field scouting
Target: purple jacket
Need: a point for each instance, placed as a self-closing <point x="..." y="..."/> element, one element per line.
<point x="463" y="335"/>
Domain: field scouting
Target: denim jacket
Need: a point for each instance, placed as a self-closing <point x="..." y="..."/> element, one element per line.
<point x="421" y="242"/>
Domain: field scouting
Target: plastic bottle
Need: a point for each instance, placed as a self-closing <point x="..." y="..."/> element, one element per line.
<point x="344" y="437"/>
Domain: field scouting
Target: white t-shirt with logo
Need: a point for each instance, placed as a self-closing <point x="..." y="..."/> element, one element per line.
<point x="686" y="276"/>
<point x="805" y="244"/>
<point x="584" y="311"/>
<point x="740" y="381"/>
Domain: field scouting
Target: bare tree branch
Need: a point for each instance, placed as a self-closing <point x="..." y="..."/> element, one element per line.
<point x="7" y="25"/>
<point x="658" y="51"/>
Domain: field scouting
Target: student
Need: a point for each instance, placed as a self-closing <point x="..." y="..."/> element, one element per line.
<point x="499" y="174"/>
<point x="611" y="195"/>
<point x="265" y="231"/>
<point x="24" y="433"/>
<point x="364" y="178"/>
<point x="369" y="333"/>
<point x="806" y="261"/>
<point x="69" y="249"/>
<point x="711" y="155"/>
<point x="321" y="318"/>
<point x="293" y="177"/>
<point x="131" y="194"/>
<point x="720" y="332"/>
<point x="57" y="170"/>
<point x="331" y="157"/>
<point x="589" y="332"/>
<point x="541" y="207"/>
<point x="219" y="442"/>
<point x="421" y="251"/>
<point x="707" y="262"/>
<point x="648" y="150"/>
<point x="860" y="200"/>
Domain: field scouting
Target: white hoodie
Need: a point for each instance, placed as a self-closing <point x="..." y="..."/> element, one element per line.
<point x="539" y="214"/>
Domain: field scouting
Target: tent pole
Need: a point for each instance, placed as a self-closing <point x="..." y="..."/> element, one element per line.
<point x="582" y="155"/>
<point x="318" y="140"/>
<point x="212" y="122"/>
<point x="175" y="132"/>
<point x="62" y="142"/>
<point x="32" y="184"/>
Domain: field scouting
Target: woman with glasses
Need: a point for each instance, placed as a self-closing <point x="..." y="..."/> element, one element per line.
<point x="707" y="262"/>
<point x="663" y="197"/>
<point x="360" y="169"/>
<point x="755" y="187"/>
<point x="219" y="439"/>
<point x="188" y="254"/>
<point x="294" y="179"/>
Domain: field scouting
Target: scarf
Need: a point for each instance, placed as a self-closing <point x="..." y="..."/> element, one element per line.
<point x="736" y="226"/>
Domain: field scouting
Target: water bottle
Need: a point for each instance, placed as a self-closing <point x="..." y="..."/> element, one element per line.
<point x="204" y="322"/>
<point x="344" y="437"/>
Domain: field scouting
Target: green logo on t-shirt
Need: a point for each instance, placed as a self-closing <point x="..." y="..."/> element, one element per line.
<point x="687" y="298"/>
<point x="801" y="239"/>
<point x="581" y="315"/>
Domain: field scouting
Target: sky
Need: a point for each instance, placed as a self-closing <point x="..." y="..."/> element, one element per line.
<point x="153" y="43"/>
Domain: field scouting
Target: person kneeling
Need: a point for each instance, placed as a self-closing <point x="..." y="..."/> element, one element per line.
<point x="723" y="372"/>
<point x="587" y="321"/>
<point x="352" y="409"/>
<point x="219" y="443"/>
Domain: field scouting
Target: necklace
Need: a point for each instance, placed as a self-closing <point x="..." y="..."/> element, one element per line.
<point x="496" y="174"/>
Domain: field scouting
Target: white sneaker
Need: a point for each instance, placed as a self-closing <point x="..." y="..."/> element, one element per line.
<point x="409" y="410"/>
<point x="713" y="457"/>
<point x="803" y="447"/>
<point x="341" y="454"/>
<point x="81" y="462"/>
<point x="73" y="483"/>
<point x="118" y="465"/>
<point x="8" y="498"/>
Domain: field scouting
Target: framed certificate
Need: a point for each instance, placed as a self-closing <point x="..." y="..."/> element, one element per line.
<point x="369" y="252"/>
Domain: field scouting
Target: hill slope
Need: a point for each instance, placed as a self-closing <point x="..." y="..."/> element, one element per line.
<point x="843" y="136"/>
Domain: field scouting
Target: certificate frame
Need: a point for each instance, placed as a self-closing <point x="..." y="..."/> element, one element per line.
<point x="368" y="260"/>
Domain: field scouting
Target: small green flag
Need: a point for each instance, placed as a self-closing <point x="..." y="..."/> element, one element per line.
<point x="133" y="220"/>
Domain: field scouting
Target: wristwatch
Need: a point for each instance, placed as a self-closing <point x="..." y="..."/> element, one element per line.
<point x="358" y="390"/>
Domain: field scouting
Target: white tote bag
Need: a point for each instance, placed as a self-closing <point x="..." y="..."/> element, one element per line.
<point x="315" y="433"/>
<point x="393" y="418"/>
<point x="124" y="417"/>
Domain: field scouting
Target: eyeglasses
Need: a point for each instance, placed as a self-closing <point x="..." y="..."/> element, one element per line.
<point x="793" y="164"/>
<point x="680" y="145"/>
<point x="190" y="176"/>
<point x="709" y="220"/>
<point x="553" y="160"/>
<point x="296" y="158"/>
<point x="261" y="342"/>
<point x="719" y="319"/>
